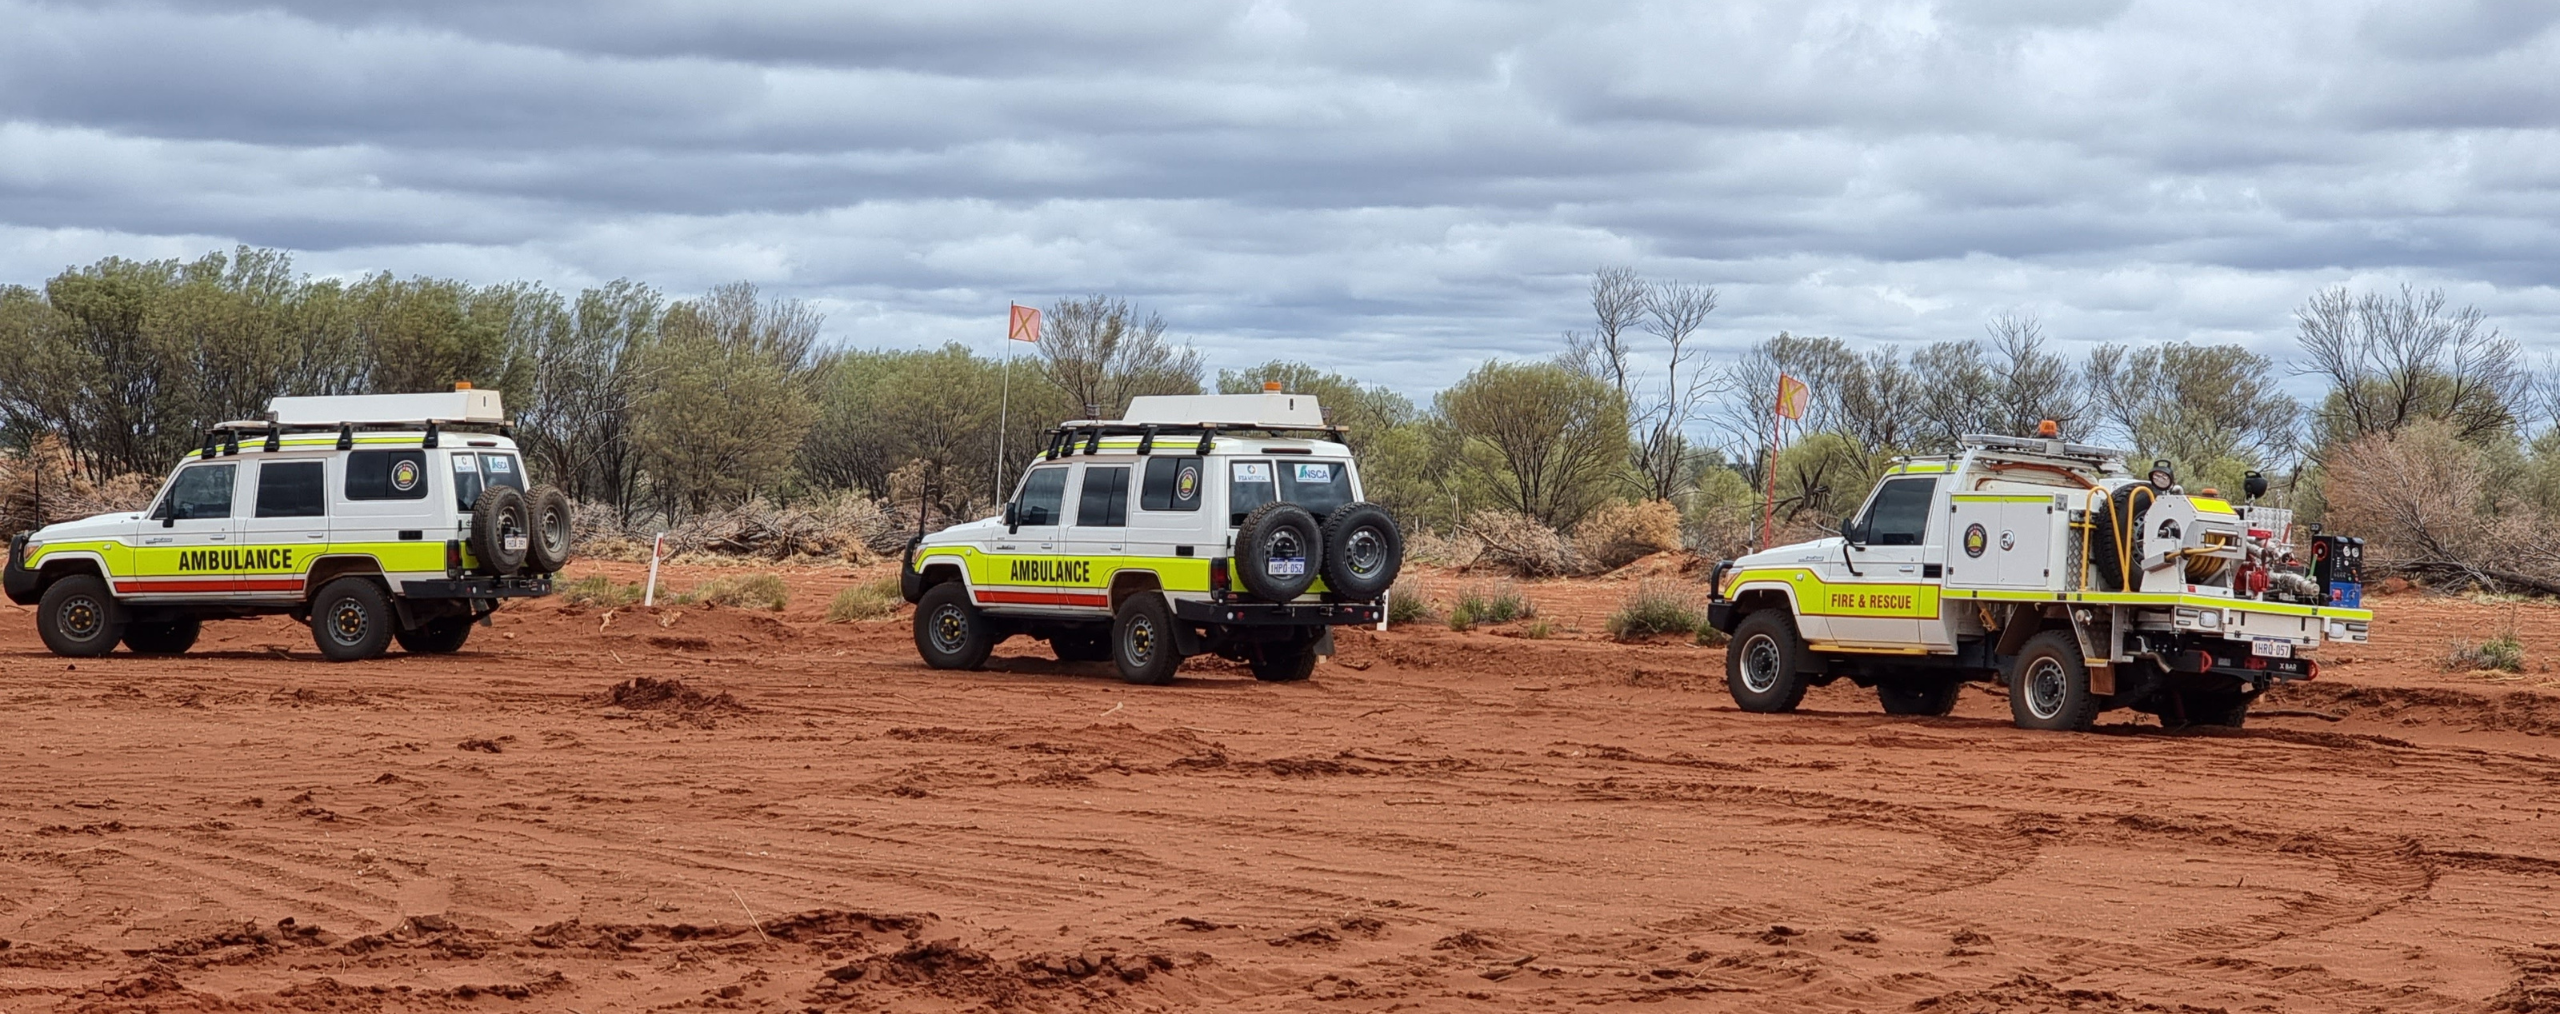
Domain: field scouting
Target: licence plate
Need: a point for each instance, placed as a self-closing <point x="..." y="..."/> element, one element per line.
<point x="515" y="543"/>
<point x="1285" y="567"/>
<point x="2271" y="647"/>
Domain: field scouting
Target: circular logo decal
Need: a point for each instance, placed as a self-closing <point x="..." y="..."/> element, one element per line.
<point x="404" y="475"/>
<point x="2008" y="541"/>
<point x="1976" y="539"/>
<point x="1186" y="484"/>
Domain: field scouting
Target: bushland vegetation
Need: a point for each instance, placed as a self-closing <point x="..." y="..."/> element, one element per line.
<point x="722" y="419"/>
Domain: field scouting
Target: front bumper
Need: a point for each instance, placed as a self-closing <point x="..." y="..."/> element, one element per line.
<point x="17" y="581"/>
<point x="518" y="586"/>
<point x="1273" y="614"/>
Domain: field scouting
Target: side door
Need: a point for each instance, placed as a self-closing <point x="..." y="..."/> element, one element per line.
<point x="1879" y="588"/>
<point x="1097" y="537"/>
<point x="1168" y="527"/>
<point x="285" y="526"/>
<point x="186" y="544"/>
<point x="1028" y="566"/>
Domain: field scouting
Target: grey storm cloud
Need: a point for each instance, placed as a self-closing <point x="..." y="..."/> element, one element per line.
<point x="1396" y="191"/>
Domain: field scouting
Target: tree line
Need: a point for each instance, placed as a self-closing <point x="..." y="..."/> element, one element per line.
<point x="660" y="408"/>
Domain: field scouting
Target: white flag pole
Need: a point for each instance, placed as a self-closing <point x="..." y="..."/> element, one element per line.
<point x="1004" y="409"/>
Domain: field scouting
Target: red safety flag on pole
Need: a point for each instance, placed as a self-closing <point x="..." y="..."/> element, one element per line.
<point x="1793" y="395"/>
<point x="1026" y="324"/>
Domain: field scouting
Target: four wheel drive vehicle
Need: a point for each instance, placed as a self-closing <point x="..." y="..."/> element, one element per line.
<point x="1203" y="524"/>
<point x="2043" y="565"/>
<point x="373" y="518"/>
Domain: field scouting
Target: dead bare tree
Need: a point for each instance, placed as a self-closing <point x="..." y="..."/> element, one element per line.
<point x="1618" y="306"/>
<point x="2393" y="361"/>
<point x="1674" y="312"/>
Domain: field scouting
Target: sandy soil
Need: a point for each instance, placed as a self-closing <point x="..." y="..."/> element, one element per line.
<point x="1438" y="821"/>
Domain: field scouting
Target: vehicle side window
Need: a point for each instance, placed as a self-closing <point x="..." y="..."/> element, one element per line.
<point x="387" y="475"/>
<point x="501" y="470"/>
<point x="1249" y="486"/>
<point x="291" y="489"/>
<point x="200" y="492"/>
<point x="1173" y="484"/>
<point x="1044" y="495"/>
<point x="1105" y="502"/>
<point x="1321" y="487"/>
<point x="1900" y="514"/>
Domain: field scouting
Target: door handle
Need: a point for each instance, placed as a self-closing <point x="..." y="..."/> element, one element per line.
<point x="218" y="538"/>
<point x="1048" y="545"/>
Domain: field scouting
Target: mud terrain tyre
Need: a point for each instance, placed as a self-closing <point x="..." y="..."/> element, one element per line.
<point x="500" y="536"/>
<point x="1142" y="643"/>
<point x="2199" y="708"/>
<point x="1282" y="537"/>
<point x="1763" y="663"/>
<point x="552" y="524"/>
<point x="1932" y="696"/>
<point x="950" y="631"/>
<point x="1283" y="661"/>
<point x="166" y="637"/>
<point x="443" y="635"/>
<point x="2049" y="685"/>
<point x="1363" y="551"/>
<point x="352" y="620"/>
<point x="1082" y="646"/>
<point x="78" y="618"/>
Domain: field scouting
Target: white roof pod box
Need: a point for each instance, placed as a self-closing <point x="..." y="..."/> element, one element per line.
<point x="467" y="406"/>
<point x="1269" y="410"/>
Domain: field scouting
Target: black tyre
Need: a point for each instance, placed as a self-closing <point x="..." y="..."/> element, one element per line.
<point x="500" y="536"/>
<point x="440" y="636"/>
<point x="2227" y="709"/>
<point x="1764" y="663"/>
<point x="165" y="637"/>
<point x="2049" y="685"/>
<point x="1363" y="551"/>
<point x="1083" y="646"/>
<point x="352" y="620"/>
<point x="1279" y="552"/>
<point x="77" y="617"/>
<point x="552" y="526"/>
<point x="950" y="631"/>
<point x="1283" y="661"/>
<point x="1142" y="643"/>
<point x="1919" y="695"/>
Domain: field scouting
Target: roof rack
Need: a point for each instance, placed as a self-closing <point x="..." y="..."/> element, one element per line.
<point x="1193" y="438"/>
<point x="2042" y="446"/>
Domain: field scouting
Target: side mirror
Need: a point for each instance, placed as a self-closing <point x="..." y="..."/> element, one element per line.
<point x="1013" y="518"/>
<point x="168" y="521"/>
<point x="1854" y="530"/>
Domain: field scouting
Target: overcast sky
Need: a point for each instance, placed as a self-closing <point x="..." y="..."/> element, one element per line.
<point x="1395" y="190"/>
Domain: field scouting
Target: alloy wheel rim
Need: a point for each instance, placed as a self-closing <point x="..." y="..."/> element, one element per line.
<point x="1760" y="664"/>
<point x="2045" y="688"/>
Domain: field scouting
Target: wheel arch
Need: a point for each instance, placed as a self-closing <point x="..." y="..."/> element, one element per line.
<point x="330" y="568"/>
<point x="1132" y="581"/>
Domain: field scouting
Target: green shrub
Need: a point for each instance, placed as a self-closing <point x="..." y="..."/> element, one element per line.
<point x="1654" y="608"/>
<point x="599" y="590"/>
<point x="1460" y="618"/>
<point x="1538" y="630"/>
<point x="869" y="601"/>
<point x="2503" y="653"/>
<point x="1406" y="604"/>
<point x="739" y="591"/>
<point x="1710" y="637"/>
<point x="1500" y="602"/>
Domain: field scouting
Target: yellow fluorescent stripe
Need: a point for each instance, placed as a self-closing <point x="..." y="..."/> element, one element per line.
<point x="1926" y="468"/>
<point x="1865" y="650"/>
<point x="1068" y="570"/>
<point x="1817" y="598"/>
<point x="123" y="561"/>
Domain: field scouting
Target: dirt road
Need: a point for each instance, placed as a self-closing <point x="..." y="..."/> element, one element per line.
<point x="1438" y="821"/>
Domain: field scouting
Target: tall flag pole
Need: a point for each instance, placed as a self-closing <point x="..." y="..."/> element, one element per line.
<point x="1023" y="326"/>
<point x="1792" y="396"/>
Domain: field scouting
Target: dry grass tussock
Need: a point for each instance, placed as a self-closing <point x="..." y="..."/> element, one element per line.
<point x="1516" y="544"/>
<point x="2422" y="500"/>
<point x="870" y="600"/>
<point x="847" y="527"/>
<point x="43" y="485"/>
<point x="1620" y="533"/>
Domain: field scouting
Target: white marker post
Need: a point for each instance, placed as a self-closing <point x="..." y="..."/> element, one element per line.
<point x="657" y="548"/>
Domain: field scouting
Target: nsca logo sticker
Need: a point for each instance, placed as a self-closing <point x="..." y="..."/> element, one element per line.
<point x="1976" y="539"/>
<point x="1186" y="484"/>
<point x="404" y="475"/>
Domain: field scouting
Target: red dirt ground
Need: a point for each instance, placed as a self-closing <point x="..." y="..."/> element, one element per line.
<point x="1438" y="821"/>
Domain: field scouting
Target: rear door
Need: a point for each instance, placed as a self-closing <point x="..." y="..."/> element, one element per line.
<point x="380" y="506"/>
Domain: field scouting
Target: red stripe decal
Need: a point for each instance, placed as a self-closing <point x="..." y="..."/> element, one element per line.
<point x="1045" y="598"/>
<point x="151" y="586"/>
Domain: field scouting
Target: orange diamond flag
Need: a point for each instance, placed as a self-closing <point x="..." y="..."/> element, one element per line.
<point x="1026" y="324"/>
<point x="1792" y="396"/>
